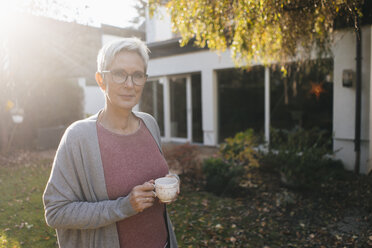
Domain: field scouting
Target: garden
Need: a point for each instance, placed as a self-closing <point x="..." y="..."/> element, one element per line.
<point x="292" y="194"/>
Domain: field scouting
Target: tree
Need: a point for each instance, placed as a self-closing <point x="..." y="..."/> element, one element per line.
<point x="70" y="11"/>
<point x="140" y="7"/>
<point x="38" y="71"/>
<point x="5" y="83"/>
<point x="258" y="30"/>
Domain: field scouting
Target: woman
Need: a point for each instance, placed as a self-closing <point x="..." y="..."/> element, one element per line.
<point x="100" y="192"/>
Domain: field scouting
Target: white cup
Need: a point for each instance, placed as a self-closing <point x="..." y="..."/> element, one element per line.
<point x="166" y="188"/>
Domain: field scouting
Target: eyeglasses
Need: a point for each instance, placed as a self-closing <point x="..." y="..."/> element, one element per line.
<point x="120" y="76"/>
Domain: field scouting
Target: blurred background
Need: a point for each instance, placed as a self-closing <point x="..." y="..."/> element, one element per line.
<point x="48" y="53"/>
<point x="261" y="105"/>
<point x="214" y="70"/>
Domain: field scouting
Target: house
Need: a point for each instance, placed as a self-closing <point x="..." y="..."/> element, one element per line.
<point x="200" y="97"/>
<point x="46" y="59"/>
<point x="62" y="50"/>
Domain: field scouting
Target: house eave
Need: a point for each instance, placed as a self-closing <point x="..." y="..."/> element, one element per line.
<point x="171" y="47"/>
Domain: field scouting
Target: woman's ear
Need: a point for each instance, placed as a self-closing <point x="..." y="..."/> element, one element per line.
<point x="100" y="82"/>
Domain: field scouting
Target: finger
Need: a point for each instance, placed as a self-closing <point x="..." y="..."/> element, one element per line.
<point x="147" y="194"/>
<point x="139" y="200"/>
<point x="143" y="197"/>
<point x="151" y="185"/>
<point x="148" y="199"/>
<point x="146" y="187"/>
<point x="143" y="203"/>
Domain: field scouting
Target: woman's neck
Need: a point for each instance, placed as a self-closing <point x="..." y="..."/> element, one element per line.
<point x="120" y="121"/>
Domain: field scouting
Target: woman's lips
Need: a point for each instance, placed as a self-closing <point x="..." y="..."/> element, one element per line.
<point x="126" y="96"/>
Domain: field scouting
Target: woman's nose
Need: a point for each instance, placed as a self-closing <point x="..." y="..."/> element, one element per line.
<point x="129" y="82"/>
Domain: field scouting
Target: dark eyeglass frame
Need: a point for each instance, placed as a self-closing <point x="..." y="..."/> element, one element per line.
<point x="126" y="78"/>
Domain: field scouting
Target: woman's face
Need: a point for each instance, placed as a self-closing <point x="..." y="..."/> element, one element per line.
<point x="125" y="95"/>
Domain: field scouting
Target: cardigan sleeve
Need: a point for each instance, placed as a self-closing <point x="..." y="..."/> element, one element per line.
<point x="65" y="198"/>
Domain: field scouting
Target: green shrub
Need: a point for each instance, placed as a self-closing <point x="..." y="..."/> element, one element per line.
<point x="301" y="158"/>
<point x="240" y="149"/>
<point x="300" y="139"/>
<point x="225" y="173"/>
<point x="306" y="170"/>
<point x="222" y="177"/>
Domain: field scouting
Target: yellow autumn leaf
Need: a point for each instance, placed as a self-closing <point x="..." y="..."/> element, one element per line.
<point x="9" y="105"/>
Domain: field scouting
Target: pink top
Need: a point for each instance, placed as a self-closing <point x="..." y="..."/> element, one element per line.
<point x="128" y="161"/>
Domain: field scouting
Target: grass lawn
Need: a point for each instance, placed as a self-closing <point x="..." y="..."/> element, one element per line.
<point x="21" y="210"/>
<point x="265" y="215"/>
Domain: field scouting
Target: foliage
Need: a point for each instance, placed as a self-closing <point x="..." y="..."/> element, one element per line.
<point x="201" y="219"/>
<point x="259" y="30"/>
<point x="50" y="103"/>
<point x="240" y="149"/>
<point x="226" y="172"/>
<point x="300" y="139"/>
<point x="182" y="159"/>
<point x="306" y="170"/>
<point x="140" y="7"/>
<point x="77" y="11"/>
<point x="301" y="158"/>
<point x="222" y="177"/>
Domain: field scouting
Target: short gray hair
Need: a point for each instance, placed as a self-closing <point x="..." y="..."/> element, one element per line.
<point x="108" y="52"/>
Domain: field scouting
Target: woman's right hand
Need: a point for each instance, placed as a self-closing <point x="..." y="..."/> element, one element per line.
<point x="142" y="196"/>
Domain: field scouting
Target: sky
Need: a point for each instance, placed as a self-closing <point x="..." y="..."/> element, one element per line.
<point x="91" y="12"/>
<point x="112" y="12"/>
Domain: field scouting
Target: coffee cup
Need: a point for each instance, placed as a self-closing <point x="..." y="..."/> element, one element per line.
<point x="166" y="188"/>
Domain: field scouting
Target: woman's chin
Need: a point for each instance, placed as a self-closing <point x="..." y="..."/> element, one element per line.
<point x="126" y="105"/>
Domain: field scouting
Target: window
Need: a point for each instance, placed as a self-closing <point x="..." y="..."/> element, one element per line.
<point x="241" y="101"/>
<point x="152" y="102"/>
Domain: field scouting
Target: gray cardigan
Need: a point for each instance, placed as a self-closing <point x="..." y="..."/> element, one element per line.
<point x="75" y="199"/>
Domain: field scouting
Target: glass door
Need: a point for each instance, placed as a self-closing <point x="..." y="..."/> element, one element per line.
<point x="178" y="107"/>
<point x="175" y="102"/>
<point x="152" y="102"/>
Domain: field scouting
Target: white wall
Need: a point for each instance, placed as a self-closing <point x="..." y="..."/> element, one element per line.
<point x="159" y="27"/>
<point x="93" y="98"/>
<point x="344" y="98"/>
<point x="96" y="100"/>
<point x="205" y="62"/>
<point x="190" y="62"/>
